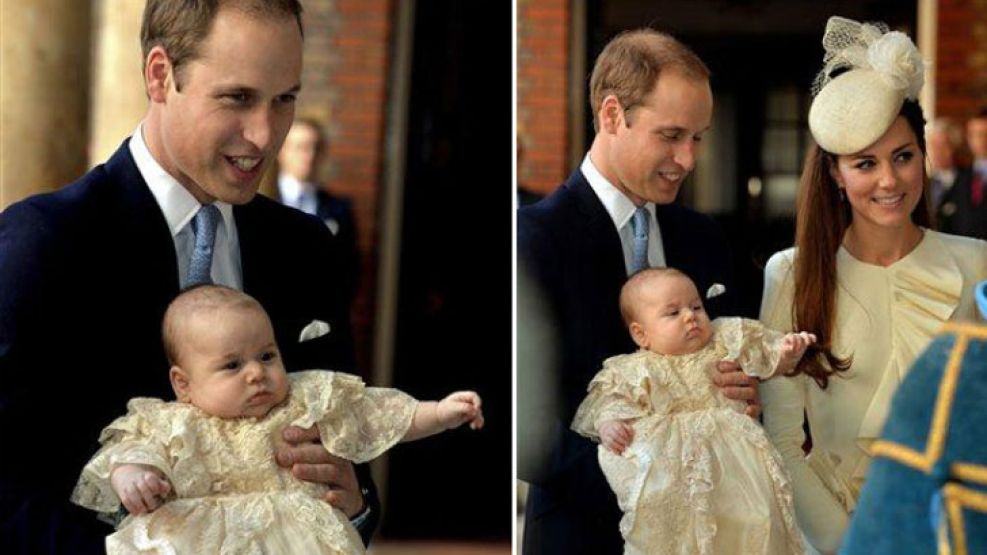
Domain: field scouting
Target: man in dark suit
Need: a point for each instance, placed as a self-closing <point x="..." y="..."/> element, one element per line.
<point x="963" y="209"/>
<point x="86" y="272"/>
<point x="305" y="150"/>
<point x="652" y="103"/>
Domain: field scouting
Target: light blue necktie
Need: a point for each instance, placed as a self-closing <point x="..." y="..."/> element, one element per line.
<point x="639" y="260"/>
<point x="204" y="227"/>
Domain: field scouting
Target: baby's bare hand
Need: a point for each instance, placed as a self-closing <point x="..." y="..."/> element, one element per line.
<point x="459" y="408"/>
<point x="141" y="489"/>
<point x="616" y="435"/>
<point x="794" y="345"/>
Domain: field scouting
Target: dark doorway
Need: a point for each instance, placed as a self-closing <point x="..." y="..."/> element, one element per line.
<point x="454" y="319"/>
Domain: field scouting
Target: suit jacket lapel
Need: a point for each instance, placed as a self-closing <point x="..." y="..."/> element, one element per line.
<point x="603" y="242"/>
<point x="670" y="239"/>
<point x="243" y="218"/>
<point x="146" y="241"/>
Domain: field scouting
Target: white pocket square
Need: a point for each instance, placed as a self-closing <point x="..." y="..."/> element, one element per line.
<point x="715" y="290"/>
<point x="316" y="328"/>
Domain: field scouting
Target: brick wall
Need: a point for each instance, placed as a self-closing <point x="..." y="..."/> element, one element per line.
<point x="542" y="83"/>
<point x="961" y="64"/>
<point x="347" y="63"/>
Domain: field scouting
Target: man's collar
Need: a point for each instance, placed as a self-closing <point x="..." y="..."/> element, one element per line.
<point x="980" y="166"/>
<point x="620" y="208"/>
<point x="176" y="202"/>
<point x="291" y="187"/>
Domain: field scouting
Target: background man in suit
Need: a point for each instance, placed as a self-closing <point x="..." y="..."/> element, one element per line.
<point x="652" y="103"/>
<point x="945" y="142"/>
<point x="957" y="195"/>
<point x="305" y="150"/>
<point x="116" y="246"/>
<point x="976" y="138"/>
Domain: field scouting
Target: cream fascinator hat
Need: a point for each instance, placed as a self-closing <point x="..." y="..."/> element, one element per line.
<point x="851" y="110"/>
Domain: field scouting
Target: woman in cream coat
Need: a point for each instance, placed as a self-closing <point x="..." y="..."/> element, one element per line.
<point x="867" y="276"/>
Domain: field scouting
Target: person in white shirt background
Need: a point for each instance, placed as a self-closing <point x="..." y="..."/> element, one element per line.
<point x="300" y="163"/>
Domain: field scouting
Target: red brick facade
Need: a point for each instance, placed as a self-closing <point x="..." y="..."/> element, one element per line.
<point x="961" y="58"/>
<point x="347" y="64"/>
<point x="542" y="83"/>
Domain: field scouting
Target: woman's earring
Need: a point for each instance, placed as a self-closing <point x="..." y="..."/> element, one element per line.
<point x="842" y="194"/>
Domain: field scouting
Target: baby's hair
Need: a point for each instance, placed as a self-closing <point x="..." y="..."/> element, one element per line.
<point x="633" y="285"/>
<point x="194" y="299"/>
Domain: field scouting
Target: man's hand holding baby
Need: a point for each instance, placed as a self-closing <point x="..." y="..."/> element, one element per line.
<point x="309" y="461"/>
<point x="140" y="488"/>
<point x="737" y="385"/>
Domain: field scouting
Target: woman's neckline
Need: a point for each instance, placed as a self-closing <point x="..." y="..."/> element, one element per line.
<point x="910" y="250"/>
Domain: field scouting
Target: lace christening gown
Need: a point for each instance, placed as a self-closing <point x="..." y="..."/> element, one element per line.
<point x="229" y="495"/>
<point x="700" y="477"/>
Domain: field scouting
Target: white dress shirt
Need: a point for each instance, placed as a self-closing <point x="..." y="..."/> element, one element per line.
<point x="980" y="168"/>
<point x="621" y="211"/>
<point x="297" y="194"/>
<point x="179" y="207"/>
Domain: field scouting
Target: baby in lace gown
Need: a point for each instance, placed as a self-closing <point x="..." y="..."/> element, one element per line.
<point x="198" y="475"/>
<point x="692" y="473"/>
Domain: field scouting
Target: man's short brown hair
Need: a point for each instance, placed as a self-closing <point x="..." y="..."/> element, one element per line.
<point x="180" y="26"/>
<point x="321" y="136"/>
<point x="630" y="64"/>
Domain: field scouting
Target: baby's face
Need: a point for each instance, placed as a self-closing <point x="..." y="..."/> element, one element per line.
<point x="669" y="317"/>
<point x="232" y="362"/>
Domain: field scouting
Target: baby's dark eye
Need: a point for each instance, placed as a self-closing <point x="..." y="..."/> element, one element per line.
<point x="268" y="356"/>
<point x="232" y="365"/>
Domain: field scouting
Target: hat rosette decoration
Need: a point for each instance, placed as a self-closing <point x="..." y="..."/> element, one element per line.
<point x="868" y="73"/>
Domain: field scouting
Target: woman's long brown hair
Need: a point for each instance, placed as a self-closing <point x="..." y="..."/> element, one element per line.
<point x="822" y="218"/>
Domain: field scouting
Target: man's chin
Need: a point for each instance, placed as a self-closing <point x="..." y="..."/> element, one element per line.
<point x="241" y="194"/>
<point x="663" y="198"/>
<point x="662" y="194"/>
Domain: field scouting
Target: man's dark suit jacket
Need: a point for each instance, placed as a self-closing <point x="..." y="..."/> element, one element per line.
<point x="569" y="245"/>
<point x="956" y="212"/>
<point x="330" y="208"/>
<point x="85" y="276"/>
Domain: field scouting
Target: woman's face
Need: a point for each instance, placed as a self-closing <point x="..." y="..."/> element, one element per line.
<point x="884" y="182"/>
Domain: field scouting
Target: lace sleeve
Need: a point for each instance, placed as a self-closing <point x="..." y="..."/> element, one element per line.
<point x="621" y="391"/>
<point x="357" y="423"/>
<point x="756" y="348"/>
<point x="130" y="439"/>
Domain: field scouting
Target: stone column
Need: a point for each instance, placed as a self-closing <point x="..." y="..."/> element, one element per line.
<point x="118" y="101"/>
<point x="44" y="95"/>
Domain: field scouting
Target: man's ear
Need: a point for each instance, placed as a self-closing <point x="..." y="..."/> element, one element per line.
<point x="180" y="383"/>
<point x="158" y="74"/>
<point x="638" y="335"/>
<point x="611" y="114"/>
